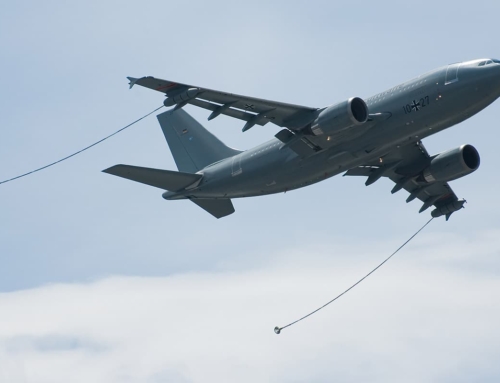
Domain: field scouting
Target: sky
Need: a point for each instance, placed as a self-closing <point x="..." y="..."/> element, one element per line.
<point x="102" y="280"/>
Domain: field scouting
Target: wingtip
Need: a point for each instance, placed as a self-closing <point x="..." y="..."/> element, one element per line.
<point x="132" y="82"/>
<point x="110" y="170"/>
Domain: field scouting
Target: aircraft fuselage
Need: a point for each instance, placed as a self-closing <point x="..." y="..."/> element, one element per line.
<point x="409" y="112"/>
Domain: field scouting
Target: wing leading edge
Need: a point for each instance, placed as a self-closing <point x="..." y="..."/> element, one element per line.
<point x="254" y="111"/>
<point x="404" y="167"/>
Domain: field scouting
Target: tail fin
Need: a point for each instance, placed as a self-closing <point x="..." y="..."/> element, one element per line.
<point x="192" y="146"/>
<point x="163" y="179"/>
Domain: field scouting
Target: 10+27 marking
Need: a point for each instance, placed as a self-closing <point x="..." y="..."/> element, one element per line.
<point x="415" y="106"/>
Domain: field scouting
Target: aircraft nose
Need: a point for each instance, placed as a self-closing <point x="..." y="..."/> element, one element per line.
<point x="496" y="81"/>
<point x="497" y="76"/>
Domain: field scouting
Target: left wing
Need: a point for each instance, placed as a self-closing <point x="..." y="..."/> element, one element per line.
<point x="404" y="166"/>
<point x="254" y="111"/>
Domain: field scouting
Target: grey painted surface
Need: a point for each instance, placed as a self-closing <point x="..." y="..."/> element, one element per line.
<point x="385" y="144"/>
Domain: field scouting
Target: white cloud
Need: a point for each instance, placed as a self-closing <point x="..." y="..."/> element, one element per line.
<point x="420" y="318"/>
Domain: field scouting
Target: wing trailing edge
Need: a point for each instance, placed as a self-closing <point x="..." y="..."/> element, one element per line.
<point x="252" y="110"/>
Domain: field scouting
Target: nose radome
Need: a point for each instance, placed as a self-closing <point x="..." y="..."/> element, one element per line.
<point x="495" y="78"/>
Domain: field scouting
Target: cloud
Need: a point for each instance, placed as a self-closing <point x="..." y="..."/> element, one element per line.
<point x="47" y="343"/>
<point x="427" y="315"/>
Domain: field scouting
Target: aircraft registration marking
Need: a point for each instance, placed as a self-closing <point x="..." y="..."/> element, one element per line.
<point x="416" y="105"/>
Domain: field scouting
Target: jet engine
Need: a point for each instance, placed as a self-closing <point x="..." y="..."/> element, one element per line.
<point x="453" y="164"/>
<point x="337" y="118"/>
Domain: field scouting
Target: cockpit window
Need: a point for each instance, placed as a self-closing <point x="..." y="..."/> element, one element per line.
<point x="488" y="62"/>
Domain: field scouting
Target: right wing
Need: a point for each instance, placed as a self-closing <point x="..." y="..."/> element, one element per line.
<point x="404" y="167"/>
<point x="254" y="111"/>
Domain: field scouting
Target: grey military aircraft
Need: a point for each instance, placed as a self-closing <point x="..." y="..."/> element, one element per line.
<point x="377" y="137"/>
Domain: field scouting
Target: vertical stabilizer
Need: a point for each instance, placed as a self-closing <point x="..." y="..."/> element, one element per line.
<point x="192" y="146"/>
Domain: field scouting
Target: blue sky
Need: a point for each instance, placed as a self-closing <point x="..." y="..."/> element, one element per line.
<point x="88" y="259"/>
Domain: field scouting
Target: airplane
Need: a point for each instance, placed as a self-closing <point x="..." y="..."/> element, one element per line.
<point x="374" y="138"/>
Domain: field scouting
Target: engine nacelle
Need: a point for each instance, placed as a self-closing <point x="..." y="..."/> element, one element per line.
<point x="340" y="117"/>
<point x="453" y="164"/>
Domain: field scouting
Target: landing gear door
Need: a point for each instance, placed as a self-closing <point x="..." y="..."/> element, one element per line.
<point x="452" y="74"/>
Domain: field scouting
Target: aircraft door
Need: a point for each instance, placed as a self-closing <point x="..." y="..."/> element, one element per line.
<point x="236" y="166"/>
<point x="452" y="73"/>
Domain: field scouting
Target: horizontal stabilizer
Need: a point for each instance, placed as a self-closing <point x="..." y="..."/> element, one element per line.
<point x="217" y="207"/>
<point x="163" y="179"/>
